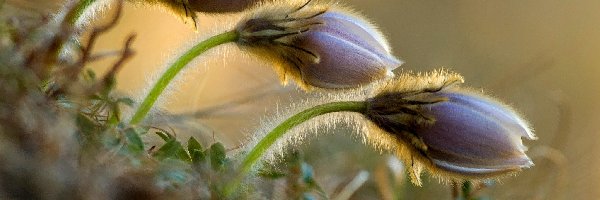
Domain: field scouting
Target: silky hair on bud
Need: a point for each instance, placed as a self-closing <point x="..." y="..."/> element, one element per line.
<point x="407" y="82"/>
<point x="279" y="10"/>
<point x="454" y="133"/>
<point x="318" y="44"/>
<point x="426" y="121"/>
<point x="411" y="82"/>
<point x="364" y="129"/>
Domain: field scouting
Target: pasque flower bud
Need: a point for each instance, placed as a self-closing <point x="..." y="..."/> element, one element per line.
<point x="451" y="131"/>
<point x="188" y="8"/>
<point x="318" y="45"/>
<point x="222" y="6"/>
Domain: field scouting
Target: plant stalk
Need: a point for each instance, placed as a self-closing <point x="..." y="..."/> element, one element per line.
<point x="175" y="68"/>
<point x="266" y="142"/>
<point x="74" y="15"/>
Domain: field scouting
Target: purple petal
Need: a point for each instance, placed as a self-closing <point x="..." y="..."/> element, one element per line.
<point x="341" y="63"/>
<point x="355" y="31"/>
<point x="474" y="135"/>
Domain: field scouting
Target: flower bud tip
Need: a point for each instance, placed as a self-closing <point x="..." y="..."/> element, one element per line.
<point x="318" y="45"/>
<point x="453" y="132"/>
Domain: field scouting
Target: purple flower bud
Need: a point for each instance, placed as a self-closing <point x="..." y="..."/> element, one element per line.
<point x="453" y="132"/>
<point x="319" y="46"/>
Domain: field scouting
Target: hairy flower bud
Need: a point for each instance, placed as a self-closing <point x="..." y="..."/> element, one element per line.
<point x="222" y="6"/>
<point x="451" y="131"/>
<point x="318" y="45"/>
<point x="187" y="8"/>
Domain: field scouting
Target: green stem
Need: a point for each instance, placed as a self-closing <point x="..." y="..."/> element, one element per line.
<point x="80" y="8"/>
<point x="267" y="141"/>
<point x="175" y="68"/>
<point x="72" y="17"/>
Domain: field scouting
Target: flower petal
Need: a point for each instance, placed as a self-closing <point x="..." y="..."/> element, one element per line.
<point x="341" y="64"/>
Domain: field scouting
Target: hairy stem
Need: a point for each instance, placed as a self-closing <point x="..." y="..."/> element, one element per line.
<point x="267" y="141"/>
<point x="271" y="137"/>
<point x="175" y="68"/>
<point x="80" y="8"/>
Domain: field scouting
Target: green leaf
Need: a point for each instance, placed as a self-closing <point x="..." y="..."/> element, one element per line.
<point x="134" y="142"/>
<point x="165" y="136"/>
<point x="110" y="85"/>
<point x="172" y="149"/>
<point x="126" y="101"/>
<point x="90" y="75"/>
<point x="217" y="156"/>
<point x="46" y="85"/>
<point x="86" y="125"/>
<point x="195" y="149"/>
<point x="467" y="187"/>
<point x="183" y="155"/>
<point x="95" y="97"/>
<point x="168" y="150"/>
<point x="193" y="144"/>
<point x="270" y="173"/>
<point x="114" y="116"/>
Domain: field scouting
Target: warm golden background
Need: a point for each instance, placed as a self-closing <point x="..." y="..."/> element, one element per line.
<point x="541" y="56"/>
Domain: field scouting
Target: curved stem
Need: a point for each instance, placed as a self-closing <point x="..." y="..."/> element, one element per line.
<point x="271" y="137"/>
<point x="175" y="68"/>
<point x="267" y="141"/>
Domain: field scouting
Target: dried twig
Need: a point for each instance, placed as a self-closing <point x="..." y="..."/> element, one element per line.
<point x="126" y="55"/>
<point x="86" y="51"/>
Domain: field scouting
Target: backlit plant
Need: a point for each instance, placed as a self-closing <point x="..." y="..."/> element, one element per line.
<point x="58" y="116"/>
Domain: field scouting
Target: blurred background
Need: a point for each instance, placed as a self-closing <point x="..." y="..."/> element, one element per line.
<point x="539" y="56"/>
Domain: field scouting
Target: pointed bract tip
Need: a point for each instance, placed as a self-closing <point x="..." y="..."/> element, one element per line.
<point x="319" y="45"/>
<point x="455" y="133"/>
